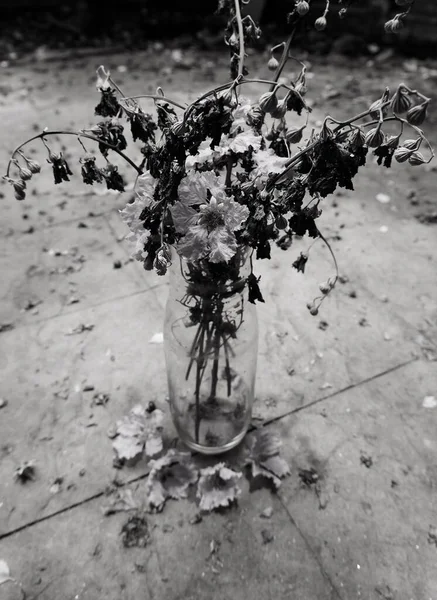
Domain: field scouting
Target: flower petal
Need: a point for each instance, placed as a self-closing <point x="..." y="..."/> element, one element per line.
<point x="183" y="217"/>
<point x="223" y="245"/>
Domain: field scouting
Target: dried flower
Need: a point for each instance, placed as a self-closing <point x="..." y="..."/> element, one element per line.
<point x="162" y="260"/>
<point x="25" y="173"/>
<point x="300" y="262"/>
<point x="374" y="137"/>
<point x="114" y="181"/>
<point x="108" y="105"/>
<point x="394" y="25"/>
<point x="357" y="138"/>
<point x="417" y="114"/>
<point x="90" y="172"/>
<point x="254" y="291"/>
<point x="320" y="23"/>
<point x="416" y="159"/>
<point x="280" y="110"/>
<point x="142" y="127"/>
<point x="61" y="170"/>
<point x="302" y="7"/>
<point x="314" y="310"/>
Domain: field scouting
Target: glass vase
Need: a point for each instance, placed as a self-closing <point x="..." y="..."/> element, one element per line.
<point x="211" y="346"/>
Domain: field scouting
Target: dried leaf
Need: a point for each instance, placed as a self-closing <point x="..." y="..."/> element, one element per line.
<point x="170" y="477"/>
<point x="4" y="572"/>
<point x="217" y="487"/>
<point x="135" y="532"/>
<point x="26" y="471"/>
<point x="264" y="458"/>
<point x="137" y="433"/>
<point x="120" y="500"/>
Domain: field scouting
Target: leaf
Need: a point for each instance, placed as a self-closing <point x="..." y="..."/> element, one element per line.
<point x="137" y="433"/>
<point x="217" y="487"/>
<point x="170" y="477"/>
<point x="264" y="458"/>
<point x="4" y="572"/>
<point x="120" y="500"/>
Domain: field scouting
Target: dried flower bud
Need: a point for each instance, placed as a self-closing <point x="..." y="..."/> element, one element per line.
<point x="162" y="260"/>
<point x="412" y="144"/>
<point x="255" y="117"/>
<point x="376" y="107"/>
<point x="273" y="64"/>
<point x="300" y="262"/>
<point x="325" y="288"/>
<point x="114" y="181"/>
<point x="400" y="102"/>
<point x="301" y="88"/>
<point x="227" y="97"/>
<point x="416" y="159"/>
<point x="393" y="25"/>
<point x="402" y="154"/>
<point x="34" y="166"/>
<point x="25" y="173"/>
<point x="320" y="23"/>
<point x="19" y="195"/>
<point x="374" y="137"/>
<point x="102" y="82"/>
<point x="268" y="102"/>
<point x="393" y="141"/>
<point x="108" y="105"/>
<point x="280" y="111"/>
<point x="281" y="222"/>
<point x="19" y="185"/>
<point x="178" y="128"/>
<point x="302" y="7"/>
<point x="357" y="138"/>
<point x="325" y="133"/>
<point x="314" y="310"/>
<point x="294" y="135"/>
<point x="342" y="136"/>
<point x="417" y="114"/>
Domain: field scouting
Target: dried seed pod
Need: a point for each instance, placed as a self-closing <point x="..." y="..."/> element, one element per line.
<point x="25" y="173"/>
<point x="294" y="135"/>
<point x="417" y="114"/>
<point x="273" y="64"/>
<point x="20" y="195"/>
<point x="302" y="7"/>
<point x="178" y="128"/>
<point x="416" y="159"/>
<point x="227" y="97"/>
<point x="402" y="154"/>
<point x="393" y="141"/>
<point x="314" y="310"/>
<point x="320" y="23"/>
<point x="400" y="102"/>
<point x="374" y="138"/>
<point x="281" y="222"/>
<point x="33" y="166"/>
<point x="280" y="110"/>
<point x="19" y="185"/>
<point x="325" y="288"/>
<point x="357" y="138"/>
<point x="268" y="102"/>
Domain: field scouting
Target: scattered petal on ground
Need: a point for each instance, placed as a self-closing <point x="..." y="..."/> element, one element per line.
<point x="218" y="487"/>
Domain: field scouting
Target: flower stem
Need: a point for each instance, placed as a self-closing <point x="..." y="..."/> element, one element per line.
<point x="283" y="60"/>
<point x="76" y="134"/>
<point x="240" y="37"/>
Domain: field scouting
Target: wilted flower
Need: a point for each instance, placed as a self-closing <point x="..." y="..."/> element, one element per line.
<point x="162" y="260"/>
<point x="142" y="126"/>
<point x="417" y="114"/>
<point x="61" y="170"/>
<point x="108" y="105"/>
<point x="90" y="172"/>
<point x="114" y="181"/>
<point x="254" y="291"/>
<point x="300" y="263"/>
<point x="394" y="25"/>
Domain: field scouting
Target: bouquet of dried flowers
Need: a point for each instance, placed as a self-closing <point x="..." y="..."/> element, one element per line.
<point x="228" y="175"/>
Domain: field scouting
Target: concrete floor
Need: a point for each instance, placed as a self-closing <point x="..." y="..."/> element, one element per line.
<point x="346" y="396"/>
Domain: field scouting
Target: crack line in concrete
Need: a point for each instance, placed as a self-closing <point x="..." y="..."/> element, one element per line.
<point x="312" y="552"/>
<point x="337" y="392"/>
<point x="68" y="508"/>
<point x="264" y="424"/>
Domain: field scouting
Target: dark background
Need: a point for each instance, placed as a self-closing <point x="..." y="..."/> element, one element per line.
<point x="28" y="24"/>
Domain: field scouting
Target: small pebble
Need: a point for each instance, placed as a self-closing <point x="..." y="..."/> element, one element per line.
<point x="267" y="536"/>
<point x="3" y="403"/>
<point x="117" y="264"/>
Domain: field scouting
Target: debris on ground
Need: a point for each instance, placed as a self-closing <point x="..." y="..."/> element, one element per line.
<point x="267" y="536"/>
<point x="26" y="471"/>
<point x="308" y="476"/>
<point x="100" y="399"/>
<point x="197" y="518"/>
<point x="55" y="488"/>
<point x="5" y="574"/>
<point x="6" y="327"/>
<point x="365" y="460"/>
<point x="383" y="198"/>
<point x="428" y="402"/>
<point x="3" y="403"/>
<point x="432" y="535"/>
<point x="80" y="329"/>
<point x="267" y="513"/>
<point x="135" y="532"/>
<point x="119" y="500"/>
